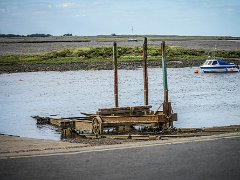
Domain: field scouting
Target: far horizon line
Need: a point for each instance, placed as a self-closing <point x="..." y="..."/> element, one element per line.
<point x="114" y="34"/>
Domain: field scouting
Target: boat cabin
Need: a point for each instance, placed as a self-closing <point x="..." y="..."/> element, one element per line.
<point x="213" y="62"/>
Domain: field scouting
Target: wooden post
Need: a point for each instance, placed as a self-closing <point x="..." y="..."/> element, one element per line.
<point x="164" y="68"/>
<point x="115" y="74"/>
<point x="167" y="109"/>
<point x="145" y="74"/>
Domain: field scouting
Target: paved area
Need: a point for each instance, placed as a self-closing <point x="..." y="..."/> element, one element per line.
<point x="21" y="145"/>
<point x="214" y="157"/>
<point x="13" y="146"/>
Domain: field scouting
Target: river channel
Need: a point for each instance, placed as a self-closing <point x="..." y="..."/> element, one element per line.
<point x="201" y="100"/>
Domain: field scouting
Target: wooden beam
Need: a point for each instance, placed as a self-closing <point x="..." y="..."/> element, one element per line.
<point x="145" y="74"/>
<point x="115" y="74"/>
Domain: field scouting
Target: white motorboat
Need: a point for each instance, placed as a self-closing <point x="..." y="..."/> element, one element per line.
<point x="218" y="66"/>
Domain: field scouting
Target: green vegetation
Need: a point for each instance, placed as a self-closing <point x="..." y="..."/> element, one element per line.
<point x="103" y="54"/>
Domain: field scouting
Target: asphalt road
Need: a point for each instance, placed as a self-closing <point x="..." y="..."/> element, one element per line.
<point x="215" y="159"/>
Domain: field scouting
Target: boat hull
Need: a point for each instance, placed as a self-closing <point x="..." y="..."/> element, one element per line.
<point x="219" y="69"/>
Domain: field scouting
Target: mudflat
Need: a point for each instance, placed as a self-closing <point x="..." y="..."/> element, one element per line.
<point x="9" y="48"/>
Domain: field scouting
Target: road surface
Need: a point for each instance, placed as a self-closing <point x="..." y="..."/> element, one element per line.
<point x="217" y="158"/>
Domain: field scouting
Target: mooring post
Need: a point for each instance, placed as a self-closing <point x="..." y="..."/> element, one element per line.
<point x="164" y="69"/>
<point x="115" y="74"/>
<point x="167" y="109"/>
<point x="145" y="74"/>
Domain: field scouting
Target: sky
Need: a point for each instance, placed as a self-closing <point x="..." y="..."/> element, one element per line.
<point x="96" y="17"/>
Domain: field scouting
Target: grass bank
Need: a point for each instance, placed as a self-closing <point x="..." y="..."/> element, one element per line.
<point x="104" y="54"/>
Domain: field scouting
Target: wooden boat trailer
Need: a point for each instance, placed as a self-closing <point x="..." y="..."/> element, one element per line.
<point x="122" y="119"/>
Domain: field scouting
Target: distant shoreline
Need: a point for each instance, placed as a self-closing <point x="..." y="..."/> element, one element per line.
<point x="32" y="54"/>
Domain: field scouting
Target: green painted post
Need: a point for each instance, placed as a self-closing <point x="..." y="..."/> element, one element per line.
<point x="164" y="68"/>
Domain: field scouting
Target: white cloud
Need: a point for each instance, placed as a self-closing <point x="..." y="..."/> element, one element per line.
<point x="79" y="15"/>
<point x="49" y="6"/>
<point x="66" y="5"/>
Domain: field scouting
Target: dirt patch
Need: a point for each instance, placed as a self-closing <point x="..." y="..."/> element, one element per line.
<point x="100" y="141"/>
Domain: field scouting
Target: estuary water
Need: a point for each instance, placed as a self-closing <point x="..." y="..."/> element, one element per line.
<point x="201" y="100"/>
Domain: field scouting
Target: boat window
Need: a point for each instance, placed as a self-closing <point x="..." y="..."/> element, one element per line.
<point x="214" y="63"/>
<point x="209" y="62"/>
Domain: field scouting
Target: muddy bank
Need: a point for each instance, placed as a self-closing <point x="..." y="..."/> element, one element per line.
<point x="92" y="66"/>
<point x="178" y="133"/>
<point x="17" y="146"/>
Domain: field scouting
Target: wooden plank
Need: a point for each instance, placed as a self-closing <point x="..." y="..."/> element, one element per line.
<point x="130" y="123"/>
<point x="137" y="119"/>
<point x="86" y="114"/>
<point x="124" y="113"/>
<point x="125" y="108"/>
<point x="83" y="126"/>
<point x="135" y="110"/>
<point x="131" y="119"/>
<point x="74" y="118"/>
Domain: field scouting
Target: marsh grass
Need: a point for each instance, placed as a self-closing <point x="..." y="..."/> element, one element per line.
<point x="104" y="54"/>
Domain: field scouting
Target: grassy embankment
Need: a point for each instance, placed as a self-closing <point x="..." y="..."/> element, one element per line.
<point x="104" y="54"/>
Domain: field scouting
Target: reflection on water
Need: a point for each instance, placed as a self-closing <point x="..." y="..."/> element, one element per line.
<point x="201" y="100"/>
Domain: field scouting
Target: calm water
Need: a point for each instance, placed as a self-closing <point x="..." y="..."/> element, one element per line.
<point x="201" y="100"/>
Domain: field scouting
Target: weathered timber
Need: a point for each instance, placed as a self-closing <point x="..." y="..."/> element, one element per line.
<point x="123" y="119"/>
<point x="135" y="119"/>
<point x="115" y="74"/>
<point x="126" y="108"/>
<point x="87" y="114"/>
<point x="42" y="120"/>
<point x="78" y="118"/>
<point x="145" y="73"/>
<point x="83" y="126"/>
<point x="164" y="68"/>
<point x="125" y="111"/>
<point x="167" y="109"/>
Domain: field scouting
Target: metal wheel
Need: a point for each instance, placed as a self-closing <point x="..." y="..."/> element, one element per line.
<point x="97" y="125"/>
<point x="166" y="126"/>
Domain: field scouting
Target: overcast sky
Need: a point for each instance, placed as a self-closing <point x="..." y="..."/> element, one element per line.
<point x="94" y="17"/>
